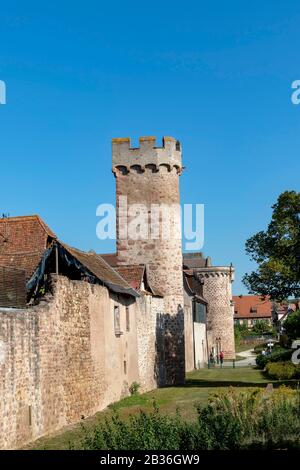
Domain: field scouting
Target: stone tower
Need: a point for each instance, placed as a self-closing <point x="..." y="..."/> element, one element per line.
<point x="218" y="293"/>
<point x="147" y="183"/>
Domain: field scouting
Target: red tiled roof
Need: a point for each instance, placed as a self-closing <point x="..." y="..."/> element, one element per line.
<point x="110" y="258"/>
<point x="252" y="306"/>
<point x="23" y="240"/>
<point x="133" y="274"/>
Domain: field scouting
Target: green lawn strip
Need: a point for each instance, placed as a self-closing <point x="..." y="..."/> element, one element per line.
<point x="199" y="385"/>
<point x="237" y="358"/>
<point x="245" y="347"/>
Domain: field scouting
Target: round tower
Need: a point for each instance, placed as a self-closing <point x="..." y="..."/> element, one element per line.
<point x="217" y="281"/>
<point x="149" y="229"/>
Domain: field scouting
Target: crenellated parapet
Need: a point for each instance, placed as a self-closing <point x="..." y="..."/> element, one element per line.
<point x="147" y="157"/>
<point x="215" y="271"/>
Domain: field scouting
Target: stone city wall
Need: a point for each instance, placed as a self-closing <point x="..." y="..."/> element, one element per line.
<point x="61" y="361"/>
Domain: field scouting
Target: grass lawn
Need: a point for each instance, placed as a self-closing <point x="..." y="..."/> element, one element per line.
<point x="199" y="385"/>
<point x="245" y="347"/>
<point x="237" y="358"/>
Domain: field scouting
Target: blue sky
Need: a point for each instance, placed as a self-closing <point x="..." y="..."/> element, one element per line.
<point x="216" y="75"/>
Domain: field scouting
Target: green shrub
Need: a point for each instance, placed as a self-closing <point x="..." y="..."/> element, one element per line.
<point x="297" y="373"/>
<point x="278" y="355"/>
<point x="262" y="326"/>
<point x="281" y="370"/>
<point x="134" y="388"/>
<point x="259" y="347"/>
<point x="292" y="325"/>
<point x="241" y="331"/>
<point x="233" y="419"/>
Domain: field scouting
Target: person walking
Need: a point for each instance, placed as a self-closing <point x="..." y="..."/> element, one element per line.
<point x="221" y="358"/>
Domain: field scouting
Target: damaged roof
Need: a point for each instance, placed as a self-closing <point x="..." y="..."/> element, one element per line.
<point x="26" y="242"/>
<point x="101" y="269"/>
<point x="88" y="266"/>
<point x="23" y="241"/>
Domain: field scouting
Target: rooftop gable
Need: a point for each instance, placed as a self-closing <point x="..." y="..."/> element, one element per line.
<point x="23" y="240"/>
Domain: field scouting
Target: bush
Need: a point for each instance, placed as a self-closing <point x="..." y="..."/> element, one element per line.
<point x="134" y="388"/>
<point x="259" y="347"/>
<point x="241" y="331"/>
<point x="297" y="373"/>
<point x="281" y="370"/>
<point x="278" y="355"/>
<point x="232" y="419"/>
<point x="292" y="325"/>
<point x="262" y="326"/>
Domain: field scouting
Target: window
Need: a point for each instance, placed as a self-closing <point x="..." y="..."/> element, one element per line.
<point x="127" y="319"/>
<point x="29" y="415"/>
<point x="117" y="320"/>
<point x="125" y="367"/>
<point x="253" y="310"/>
<point x="199" y="312"/>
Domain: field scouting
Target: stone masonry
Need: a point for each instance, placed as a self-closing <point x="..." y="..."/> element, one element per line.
<point x="218" y="293"/>
<point x="149" y="176"/>
<point x="60" y="361"/>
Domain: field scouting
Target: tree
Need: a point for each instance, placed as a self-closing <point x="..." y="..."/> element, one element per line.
<point x="262" y="326"/>
<point x="292" y="325"/>
<point x="277" y="252"/>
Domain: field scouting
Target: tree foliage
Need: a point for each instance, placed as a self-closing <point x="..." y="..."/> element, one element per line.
<point x="277" y="252"/>
<point x="262" y="326"/>
<point x="292" y="325"/>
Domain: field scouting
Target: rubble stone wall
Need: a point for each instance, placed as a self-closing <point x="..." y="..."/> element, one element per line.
<point x="61" y="361"/>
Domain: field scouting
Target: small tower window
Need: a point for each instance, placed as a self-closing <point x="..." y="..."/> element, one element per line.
<point x="117" y="323"/>
<point x="127" y="319"/>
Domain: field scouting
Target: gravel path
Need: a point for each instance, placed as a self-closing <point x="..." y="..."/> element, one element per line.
<point x="248" y="361"/>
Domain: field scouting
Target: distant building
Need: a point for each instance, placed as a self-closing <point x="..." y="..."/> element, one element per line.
<point x="248" y="309"/>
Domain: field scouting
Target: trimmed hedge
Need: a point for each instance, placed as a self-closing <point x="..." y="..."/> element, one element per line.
<point x="281" y="370"/>
<point x="278" y="355"/>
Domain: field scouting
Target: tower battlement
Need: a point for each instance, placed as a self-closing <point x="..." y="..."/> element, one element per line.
<point x="147" y="155"/>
